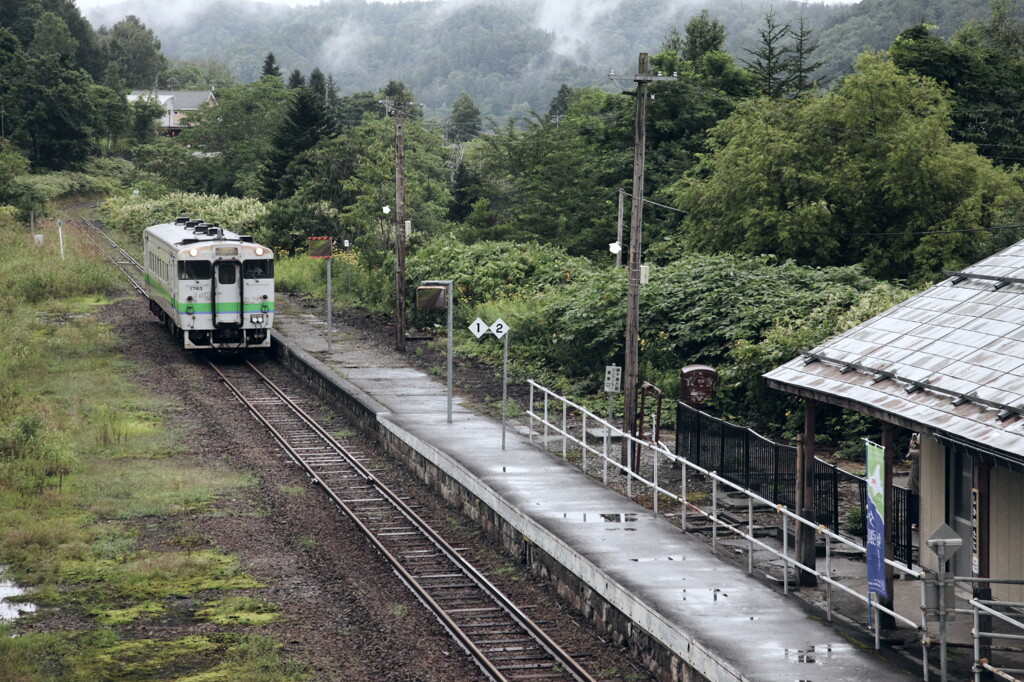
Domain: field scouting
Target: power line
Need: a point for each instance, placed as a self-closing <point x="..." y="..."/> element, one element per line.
<point x="923" y="233"/>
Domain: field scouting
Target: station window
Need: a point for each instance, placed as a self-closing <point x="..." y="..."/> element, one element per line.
<point x="195" y="269"/>
<point x="258" y="269"/>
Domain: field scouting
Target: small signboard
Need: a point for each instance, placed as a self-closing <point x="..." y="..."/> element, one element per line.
<point x="612" y="379"/>
<point x="499" y="328"/>
<point x="321" y="247"/>
<point x="478" y="327"/>
<point x="697" y="384"/>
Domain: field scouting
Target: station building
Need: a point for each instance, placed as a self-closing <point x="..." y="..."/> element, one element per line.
<point x="947" y="363"/>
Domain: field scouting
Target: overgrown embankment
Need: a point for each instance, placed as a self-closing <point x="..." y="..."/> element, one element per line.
<point x="100" y="518"/>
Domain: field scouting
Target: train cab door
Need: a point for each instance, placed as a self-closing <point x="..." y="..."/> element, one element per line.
<point x="227" y="295"/>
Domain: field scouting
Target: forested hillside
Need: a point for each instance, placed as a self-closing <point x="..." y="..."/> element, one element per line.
<point x="511" y="57"/>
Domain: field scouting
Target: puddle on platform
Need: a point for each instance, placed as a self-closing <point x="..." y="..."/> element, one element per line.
<point x="591" y="517"/>
<point x="816" y="655"/>
<point x="9" y="611"/>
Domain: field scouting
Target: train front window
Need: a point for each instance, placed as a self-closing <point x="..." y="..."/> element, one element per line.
<point x="258" y="269"/>
<point x="195" y="269"/>
<point x="226" y="273"/>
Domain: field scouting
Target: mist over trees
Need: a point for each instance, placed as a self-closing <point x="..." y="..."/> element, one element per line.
<point x="511" y="58"/>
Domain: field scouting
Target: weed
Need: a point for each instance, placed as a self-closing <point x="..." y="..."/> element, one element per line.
<point x="855" y="522"/>
<point x="306" y="542"/>
<point x="81" y="449"/>
<point x="697" y="497"/>
<point x="509" y="571"/>
<point x="239" y="611"/>
<point x="398" y="610"/>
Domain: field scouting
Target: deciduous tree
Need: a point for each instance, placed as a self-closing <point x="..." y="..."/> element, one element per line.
<point x="136" y="51"/>
<point x="866" y="173"/>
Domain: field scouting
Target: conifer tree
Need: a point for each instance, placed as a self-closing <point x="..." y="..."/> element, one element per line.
<point x="771" y="61"/>
<point x="270" y="67"/>
<point x="306" y="123"/>
<point x="801" y="67"/>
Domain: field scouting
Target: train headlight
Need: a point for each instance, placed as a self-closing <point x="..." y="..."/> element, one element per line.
<point x="257" y="319"/>
<point x="259" y="250"/>
<point x="193" y="252"/>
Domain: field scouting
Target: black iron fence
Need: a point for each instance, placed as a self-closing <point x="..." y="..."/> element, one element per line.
<point x="769" y="469"/>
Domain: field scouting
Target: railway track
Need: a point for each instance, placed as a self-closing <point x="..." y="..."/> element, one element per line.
<point x="123" y="260"/>
<point x="498" y="636"/>
<point x="502" y="640"/>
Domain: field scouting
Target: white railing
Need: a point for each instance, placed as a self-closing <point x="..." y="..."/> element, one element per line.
<point x="656" y="456"/>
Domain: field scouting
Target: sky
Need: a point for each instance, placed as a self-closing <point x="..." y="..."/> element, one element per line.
<point x="87" y="4"/>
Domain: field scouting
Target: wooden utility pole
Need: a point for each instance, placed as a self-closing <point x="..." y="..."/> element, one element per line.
<point x="618" y="228"/>
<point x="399" y="227"/>
<point x="806" y="537"/>
<point x="631" y="365"/>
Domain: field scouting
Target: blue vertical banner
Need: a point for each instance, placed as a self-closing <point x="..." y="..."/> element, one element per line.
<point x="875" y="456"/>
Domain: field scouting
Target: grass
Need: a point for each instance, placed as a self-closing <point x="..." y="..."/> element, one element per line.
<point x="89" y="467"/>
<point x="239" y="611"/>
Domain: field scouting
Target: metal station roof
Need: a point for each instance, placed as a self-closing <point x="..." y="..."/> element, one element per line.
<point x="949" y="361"/>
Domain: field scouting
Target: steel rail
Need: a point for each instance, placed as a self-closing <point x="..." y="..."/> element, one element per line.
<point x="560" y="658"/>
<point x="122" y="265"/>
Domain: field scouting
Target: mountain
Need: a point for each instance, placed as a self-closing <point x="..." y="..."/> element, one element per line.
<point x="511" y="56"/>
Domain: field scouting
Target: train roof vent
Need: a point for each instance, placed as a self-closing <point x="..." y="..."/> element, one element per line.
<point x="202" y="228"/>
<point x="192" y="223"/>
<point x="245" y="238"/>
<point x="181" y="220"/>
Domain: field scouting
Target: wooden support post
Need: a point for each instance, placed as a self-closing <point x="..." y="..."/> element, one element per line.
<point x="805" y="535"/>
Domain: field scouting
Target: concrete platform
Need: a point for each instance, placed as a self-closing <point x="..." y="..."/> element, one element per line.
<point x="710" y="617"/>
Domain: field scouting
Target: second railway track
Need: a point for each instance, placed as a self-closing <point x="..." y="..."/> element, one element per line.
<point x="501" y="639"/>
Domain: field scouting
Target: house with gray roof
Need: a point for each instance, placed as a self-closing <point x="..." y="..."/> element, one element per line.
<point x="947" y="363"/>
<point x="177" y="105"/>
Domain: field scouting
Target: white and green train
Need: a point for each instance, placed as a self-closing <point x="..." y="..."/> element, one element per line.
<point x="214" y="289"/>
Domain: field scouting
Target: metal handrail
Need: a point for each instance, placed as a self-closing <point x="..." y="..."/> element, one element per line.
<point x="985" y="606"/>
<point x="635" y="445"/>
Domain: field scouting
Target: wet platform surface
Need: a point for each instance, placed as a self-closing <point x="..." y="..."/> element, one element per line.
<point x="708" y="611"/>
